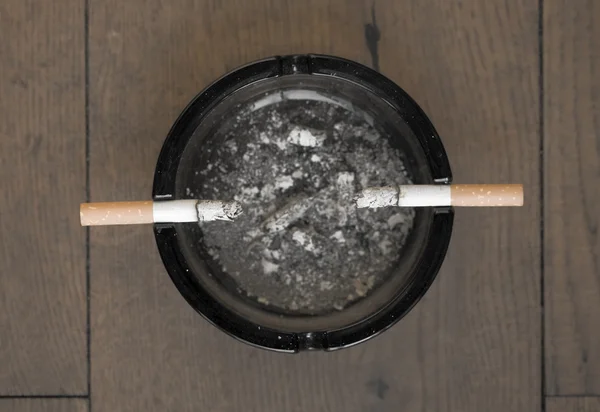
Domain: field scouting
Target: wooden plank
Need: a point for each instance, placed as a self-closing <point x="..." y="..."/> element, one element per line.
<point x="473" y="67"/>
<point x="573" y="404"/>
<point x="472" y="344"/>
<point x="148" y="59"/>
<point x="42" y="170"/>
<point x="572" y="145"/>
<point x="43" y="405"/>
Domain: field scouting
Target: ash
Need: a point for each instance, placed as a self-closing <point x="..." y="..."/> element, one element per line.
<point x="301" y="245"/>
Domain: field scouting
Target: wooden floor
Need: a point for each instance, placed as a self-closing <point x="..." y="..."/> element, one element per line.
<point x="91" y="321"/>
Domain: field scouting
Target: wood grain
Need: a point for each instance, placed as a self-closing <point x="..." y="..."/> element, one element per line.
<point x="43" y="405"/>
<point x="473" y="67"/>
<point x="572" y="142"/>
<point x="573" y="404"/>
<point x="148" y="59"/>
<point x="42" y="174"/>
<point x="473" y="343"/>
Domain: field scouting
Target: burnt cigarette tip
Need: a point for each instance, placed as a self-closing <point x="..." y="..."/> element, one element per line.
<point x="233" y="209"/>
<point x="360" y="200"/>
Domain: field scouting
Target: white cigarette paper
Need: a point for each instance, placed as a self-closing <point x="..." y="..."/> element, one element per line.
<point x="404" y="195"/>
<point x="472" y="195"/>
<point x="195" y="210"/>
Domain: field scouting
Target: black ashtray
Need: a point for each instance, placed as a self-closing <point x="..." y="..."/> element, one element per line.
<point x="215" y="296"/>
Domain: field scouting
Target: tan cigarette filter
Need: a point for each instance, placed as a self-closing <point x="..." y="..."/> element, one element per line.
<point x="487" y="195"/>
<point x="116" y="213"/>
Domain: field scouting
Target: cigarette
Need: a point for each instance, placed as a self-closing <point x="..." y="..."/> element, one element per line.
<point x="165" y="211"/>
<point x="282" y="218"/>
<point x="440" y="195"/>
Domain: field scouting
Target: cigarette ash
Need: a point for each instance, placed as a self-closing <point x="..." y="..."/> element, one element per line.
<point x="301" y="245"/>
